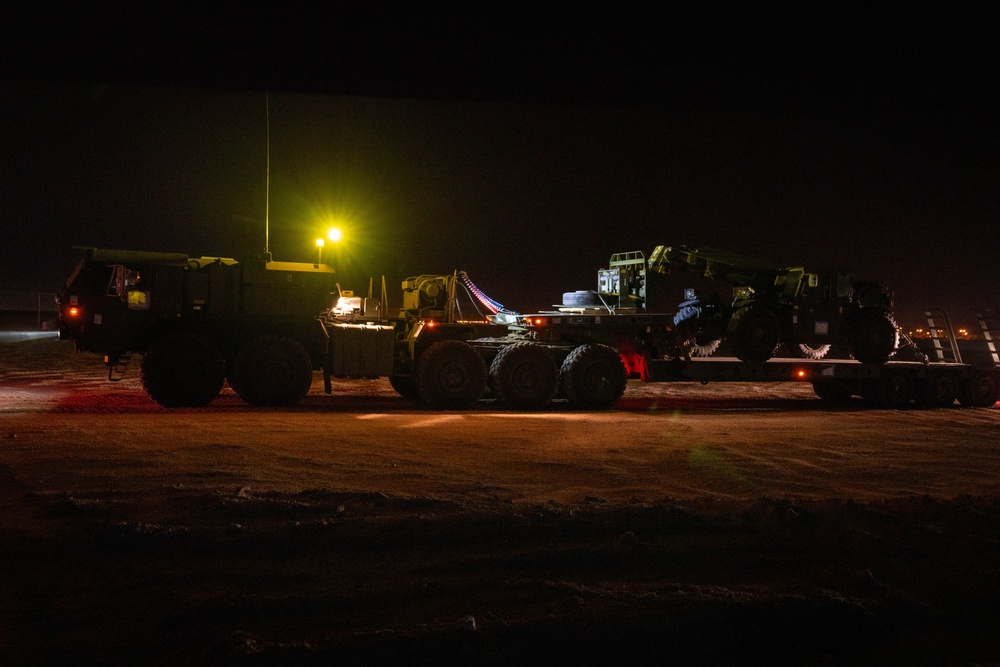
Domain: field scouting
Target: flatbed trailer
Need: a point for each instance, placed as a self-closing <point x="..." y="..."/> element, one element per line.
<point x="895" y="384"/>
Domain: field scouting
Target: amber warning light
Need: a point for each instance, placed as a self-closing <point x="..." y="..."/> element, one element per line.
<point x="73" y="312"/>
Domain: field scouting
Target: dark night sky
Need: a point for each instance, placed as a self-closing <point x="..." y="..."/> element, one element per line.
<point x="522" y="148"/>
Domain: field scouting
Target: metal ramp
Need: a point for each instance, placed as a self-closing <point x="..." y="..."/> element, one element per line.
<point x="942" y="335"/>
<point x="989" y="322"/>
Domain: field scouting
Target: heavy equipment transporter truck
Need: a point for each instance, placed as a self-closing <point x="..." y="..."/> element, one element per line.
<point x="266" y="327"/>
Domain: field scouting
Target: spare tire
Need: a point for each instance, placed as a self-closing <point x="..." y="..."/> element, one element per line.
<point x="586" y="298"/>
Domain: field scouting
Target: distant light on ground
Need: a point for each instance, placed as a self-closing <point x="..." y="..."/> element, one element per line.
<point x="26" y="335"/>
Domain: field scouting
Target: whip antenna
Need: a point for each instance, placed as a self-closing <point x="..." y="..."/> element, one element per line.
<point x="267" y="175"/>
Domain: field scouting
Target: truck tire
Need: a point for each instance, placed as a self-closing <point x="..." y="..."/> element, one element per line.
<point x="757" y="334"/>
<point x="593" y="377"/>
<point x="450" y="374"/>
<point x="405" y="386"/>
<point x="272" y="370"/>
<point x="183" y="370"/>
<point x="807" y="351"/>
<point x="699" y="347"/>
<point x="524" y="376"/>
<point x="980" y="391"/>
<point x="875" y="337"/>
<point x="937" y="390"/>
<point x="834" y="391"/>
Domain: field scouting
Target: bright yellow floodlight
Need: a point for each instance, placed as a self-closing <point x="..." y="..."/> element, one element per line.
<point x="334" y="234"/>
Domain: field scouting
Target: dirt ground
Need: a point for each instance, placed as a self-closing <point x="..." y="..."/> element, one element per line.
<point x="720" y="524"/>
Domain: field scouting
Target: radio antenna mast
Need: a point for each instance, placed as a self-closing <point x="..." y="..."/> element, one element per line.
<point x="267" y="178"/>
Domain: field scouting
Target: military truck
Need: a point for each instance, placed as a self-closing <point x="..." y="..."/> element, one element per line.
<point x="200" y="321"/>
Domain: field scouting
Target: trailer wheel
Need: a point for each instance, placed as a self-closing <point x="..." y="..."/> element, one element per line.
<point x="524" y="376"/>
<point x="895" y="389"/>
<point x="405" y="386"/>
<point x="937" y="390"/>
<point x="980" y="391"/>
<point x="834" y="391"/>
<point x="875" y="338"/>
<point x="757" y="334"/>
<point x="272" y="370"/>
<point x="450" y="375"/>
<point x="593" y="377"/>
<point x="806" y="351"/>
<point x="183" y="370"/>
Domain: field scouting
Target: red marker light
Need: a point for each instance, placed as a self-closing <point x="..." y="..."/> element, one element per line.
<point x="539" y="321"/>
<point x="800" y="373"/>
<point x="72" y="311"/>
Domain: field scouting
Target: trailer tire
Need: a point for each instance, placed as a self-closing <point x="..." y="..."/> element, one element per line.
<point x="834" y="391"/>
<point x="593" y="377"/>
<point x="272" y="370"/>
<point x="982" y="390"/>
<point x="757" y="334"/>
<point x="524" y="376"/>
<point x="894" y="389"/>
<point x="876" y="337"/>
<point x="450" y="374"/>
<point x="183" y="370"/>
<point x="937" y="390"/>
<point x="807" y="351"/>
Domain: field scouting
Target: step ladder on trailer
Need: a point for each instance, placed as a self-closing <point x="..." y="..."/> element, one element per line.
<point x="942" y="335"/>
<point x="989" y="322"/>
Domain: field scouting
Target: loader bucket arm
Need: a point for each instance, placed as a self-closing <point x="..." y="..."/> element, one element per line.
<point x="714" y="263"/>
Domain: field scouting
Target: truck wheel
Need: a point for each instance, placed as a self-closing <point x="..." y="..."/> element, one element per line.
<point x="593" y="377"/>
<point x="450" y="374"/>
<point x="703" y="348"/>
<point x="980" y="391"/>
<point x="405" y="386"/>
<point x="875" y="338"/>
<point x="524" y="376"/>
<point x="183" y="370"/>
<point x="937" y="390"/>
<point x="272" y="370"/>
<point x="757" y="334"/>
<point x="806" y="351"/>
<point x="834" y="391"/>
